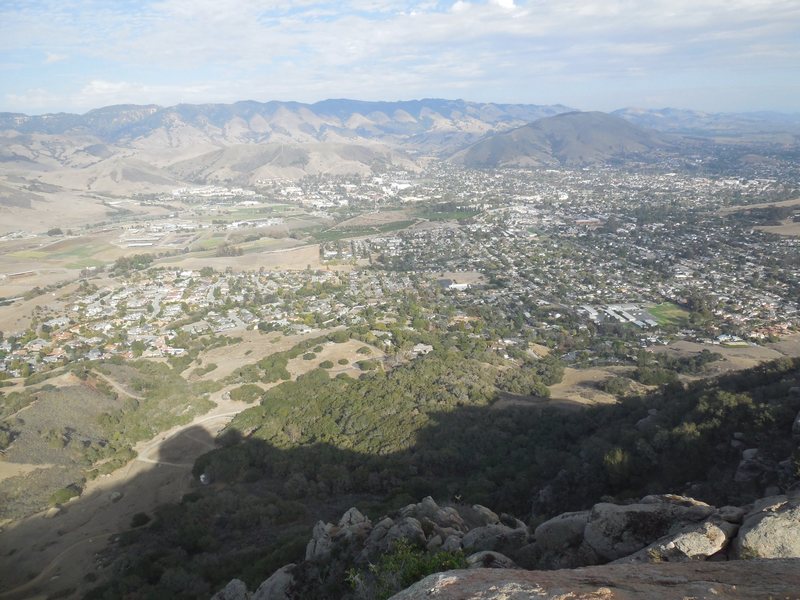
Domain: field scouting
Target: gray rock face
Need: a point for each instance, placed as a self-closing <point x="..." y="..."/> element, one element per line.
<point x="771" y="530"/>
<point x="235" y="590"/>
<point x="614" y="531"/>
<point x="353" y="517"/>
<point x="277" y="586"/>
<point x="320" y="545"/>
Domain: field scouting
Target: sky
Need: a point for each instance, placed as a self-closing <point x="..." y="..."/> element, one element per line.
<point x="712" y="55"/>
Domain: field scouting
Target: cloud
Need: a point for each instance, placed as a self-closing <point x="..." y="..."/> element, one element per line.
<point x="506" y="4"/>
<point x="489" y="49"/>
<point x="51" y="58"/>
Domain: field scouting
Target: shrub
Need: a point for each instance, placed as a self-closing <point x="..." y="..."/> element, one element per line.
<point x="400" y="568"/>
<point x="65" y="494"/>
<point x="326" y="364"/>
<point x="247" y="393"/>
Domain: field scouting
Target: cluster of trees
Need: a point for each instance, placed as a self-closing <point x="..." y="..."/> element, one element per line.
<point x="134" y="262"/>
<point x="660" y="369"/>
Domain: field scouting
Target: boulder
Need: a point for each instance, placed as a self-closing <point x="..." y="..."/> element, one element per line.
<point x="353" y="517"/>
<point x="561" y="532"/>
<point x="375" y="542"/>
<point x="693" y="542"/>
<point x="770" y="530"/>
<point x="490" y="560"/>
<point x="613" y="531"/>
<point x="235" y="590"/>
<point x="796" y="426"/>
<point x="407" y="528"/>
<point x="434" y="543"/>
<point x="277" y="586"/>
<point x="731" y="514"/>
<point x="452" y="543"/>
<point x="495" y="537"/>
<point x="320" y="545"/>
<point x="443" y="517"/>
<point x="484" y="516"/>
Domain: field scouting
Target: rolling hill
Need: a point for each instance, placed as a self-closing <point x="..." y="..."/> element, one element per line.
<point x="568" y="139"/>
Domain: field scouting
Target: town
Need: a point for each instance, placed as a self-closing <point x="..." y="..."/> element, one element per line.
<point x="566" y="259"/>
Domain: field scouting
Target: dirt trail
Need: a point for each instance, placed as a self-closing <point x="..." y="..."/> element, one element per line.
<point x="52" y="554"/>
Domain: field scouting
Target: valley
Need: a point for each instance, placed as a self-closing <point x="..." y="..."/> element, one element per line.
<point x="218" y="327"/>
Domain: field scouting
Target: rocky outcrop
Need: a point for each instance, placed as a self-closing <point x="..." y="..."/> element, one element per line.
<point x="656" y="529"/>
<point x="277" y="586"/>
<point x="694" y="542"/>
<point x="235" y="590"/>
<point x="613" y="531"/>
<point x="756" y="579"/>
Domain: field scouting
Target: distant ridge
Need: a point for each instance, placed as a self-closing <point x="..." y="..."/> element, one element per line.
<point x="429" y="122"/>
<point x="568" y="139"/>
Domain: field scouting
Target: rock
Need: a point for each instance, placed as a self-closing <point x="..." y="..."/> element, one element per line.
<point x="771" y="530"/>
<point x="451" y="544"/>
<point x="444" y="517"/>
<point x="495" y="537"/>
<point x="53" y="512"/>
<point x="484" y="516"/>
<point x="407" y="528"/>
<point x="320" y="545"/>
<point x="353" y="517"/>
<point x="490" y="560"/>
<point x="738" y="435"/>
<point x="749" y="454"/>
<point x="375" y="542"/>
<point x="277" y="586"/>
<point x="434" y="543"/>
<point x="116" y="497"/>
<point x="720" y="580"/>
<point x="512" y="521"/>
<point x="561" y="532"/>
<point x="646" y="423"/>
<point x="731" y="514"/>
<point x="614" y="531"/>
<point x="235" y="590"/>
<point x="694" y="542"/>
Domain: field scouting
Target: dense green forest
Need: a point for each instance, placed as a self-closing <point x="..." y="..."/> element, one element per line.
<point x="316" y="446"/>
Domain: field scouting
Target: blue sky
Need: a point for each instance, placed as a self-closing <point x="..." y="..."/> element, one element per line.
<point x="716" y="55"/>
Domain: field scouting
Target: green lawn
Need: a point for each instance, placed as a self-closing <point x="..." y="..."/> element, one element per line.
<point x="668" y="313"/>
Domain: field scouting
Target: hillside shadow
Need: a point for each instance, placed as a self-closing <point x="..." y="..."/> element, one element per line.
<point x="58" y="553"/>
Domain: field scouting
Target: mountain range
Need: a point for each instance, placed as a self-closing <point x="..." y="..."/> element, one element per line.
<point x="128" y="149"/>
